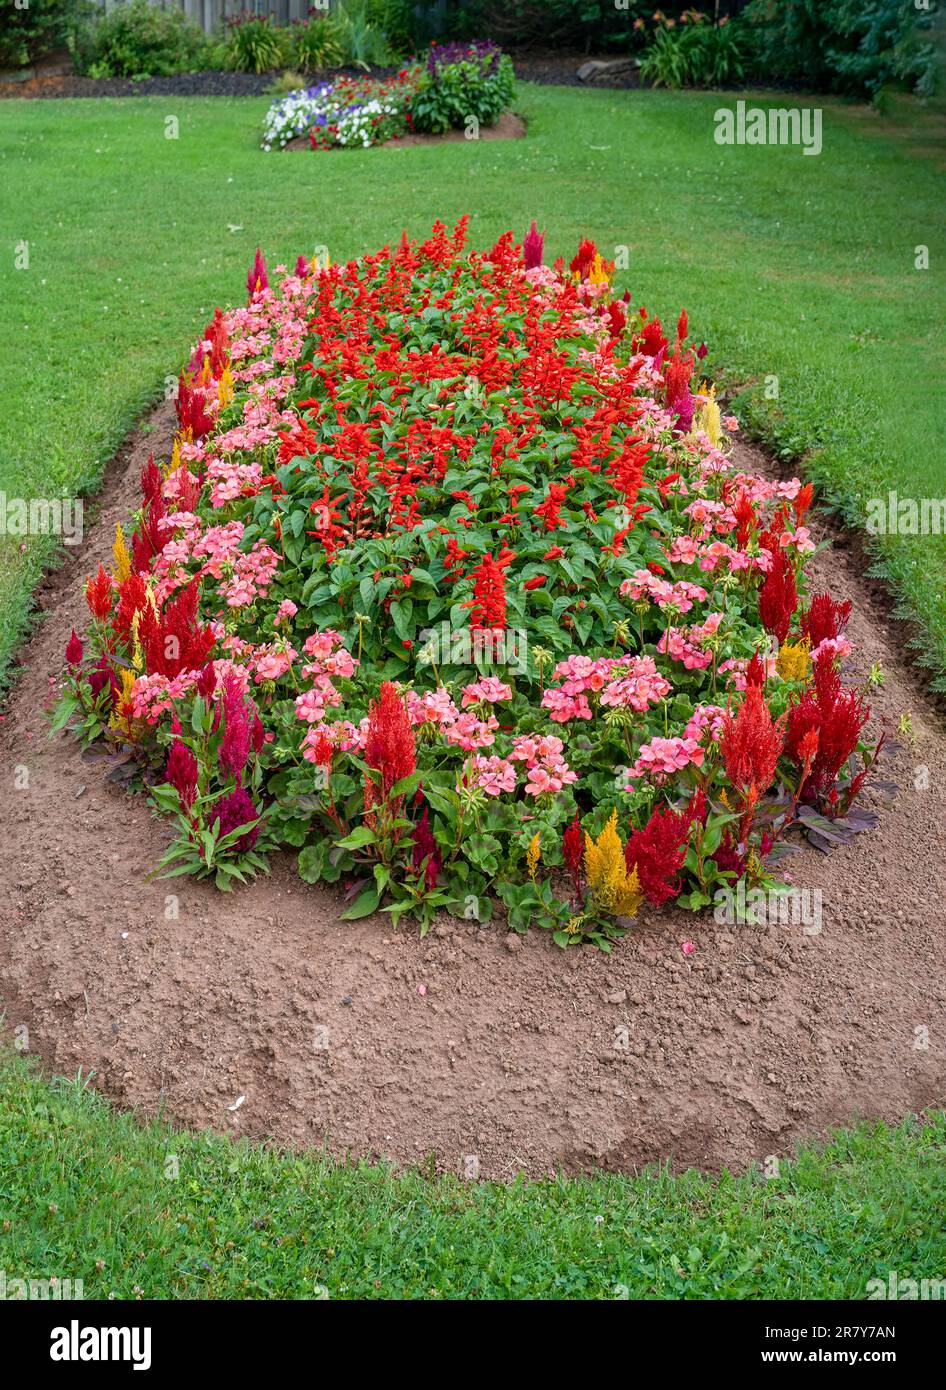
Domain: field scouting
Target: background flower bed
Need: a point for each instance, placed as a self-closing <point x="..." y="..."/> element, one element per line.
<point x="462" y="86"/>
<point x="431" y="459"/>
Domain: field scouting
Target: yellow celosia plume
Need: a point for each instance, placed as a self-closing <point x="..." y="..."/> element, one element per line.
<point x="121" y="557"/>
<point x="613" y="889"/>
<point x="792" y="660"/>
<point x="225" y="388"/>
<point x="709" y="420"/>
<point x="533" y="855"/>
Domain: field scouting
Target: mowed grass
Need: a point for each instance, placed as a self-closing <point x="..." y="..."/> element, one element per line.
<point x="89" y="1194"/>
<point x="792" y="267"/>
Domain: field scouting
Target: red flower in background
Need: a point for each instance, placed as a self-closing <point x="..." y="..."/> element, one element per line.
<point x="488" y="605"/>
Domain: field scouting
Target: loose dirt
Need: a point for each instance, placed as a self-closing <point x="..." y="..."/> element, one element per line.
<point x="494" y="1053"/>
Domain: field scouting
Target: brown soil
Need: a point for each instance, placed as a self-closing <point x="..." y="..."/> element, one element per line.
<point x="468" y="1043"/>
<point x="508" y="127"/>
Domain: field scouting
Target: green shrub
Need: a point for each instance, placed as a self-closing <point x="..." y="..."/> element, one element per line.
<point x="314" y="43"/>
<point x="363" y="44"/>
<point x="462" y="81"/>
<point x="855" y="47"/>
<point x="254" y="44"/>
<point x="141" y="40"/>
<point x="43" y="25"/>
<point x="695" y="54"/>
<point x="588" y="24"/>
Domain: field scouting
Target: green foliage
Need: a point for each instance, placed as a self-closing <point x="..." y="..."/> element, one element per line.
<point x="463" y="83"/>
<point x="314" y="43"/>
<point x="254" y="44"/>
<point x="38" y="28"/>
<point x="575" y="24"/>
<point x="361" y="40"/>
<point x="141" y="40"/>
<point x="695" y="55"/>
<point x="852" y="46"/>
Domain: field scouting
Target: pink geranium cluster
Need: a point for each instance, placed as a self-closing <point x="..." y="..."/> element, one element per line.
<point x="491" y="775"/>
<point x="687" y="644"/>
<point x="664" y="756"/>
<point x="680" y="596"/>
<point x="545" y="763"/>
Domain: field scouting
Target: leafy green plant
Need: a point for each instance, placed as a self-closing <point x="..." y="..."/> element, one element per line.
<point x="362" y="42"/>
<point x="314" y="43"/>
<point x="697" y="54"/>
<point x="138" y="40"/>
<point x="37" y="28"/>
<point x="254" y="44"/>
<point x="463" y="82"/>
<point x="851" y="46"/>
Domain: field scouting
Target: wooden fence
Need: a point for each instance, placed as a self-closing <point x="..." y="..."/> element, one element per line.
<point x="209" y="13"/>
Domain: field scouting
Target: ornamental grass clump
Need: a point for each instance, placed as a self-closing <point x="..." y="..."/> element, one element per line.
<point x="451" y="586"/>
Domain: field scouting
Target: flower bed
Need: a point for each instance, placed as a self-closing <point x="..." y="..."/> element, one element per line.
<point x="460" y="87"/>
<point x="351" y="112"/>
<point x="452" y="585"/>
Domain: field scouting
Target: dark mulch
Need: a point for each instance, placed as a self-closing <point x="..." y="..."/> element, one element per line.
<point x="551" y="69"/>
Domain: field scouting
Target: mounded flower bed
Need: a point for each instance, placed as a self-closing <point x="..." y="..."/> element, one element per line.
<point x="460" y="86"/>
<point x="451" y="586"/>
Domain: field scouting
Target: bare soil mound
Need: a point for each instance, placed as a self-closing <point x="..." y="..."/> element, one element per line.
<point x="496" y="1054"/>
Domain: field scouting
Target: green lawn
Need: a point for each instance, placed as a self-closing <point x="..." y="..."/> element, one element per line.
<point x="792" y="267"/>
<point x="88" y="1194"/>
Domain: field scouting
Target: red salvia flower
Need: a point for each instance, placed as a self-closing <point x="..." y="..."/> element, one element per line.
<point x="488" y="605"/>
